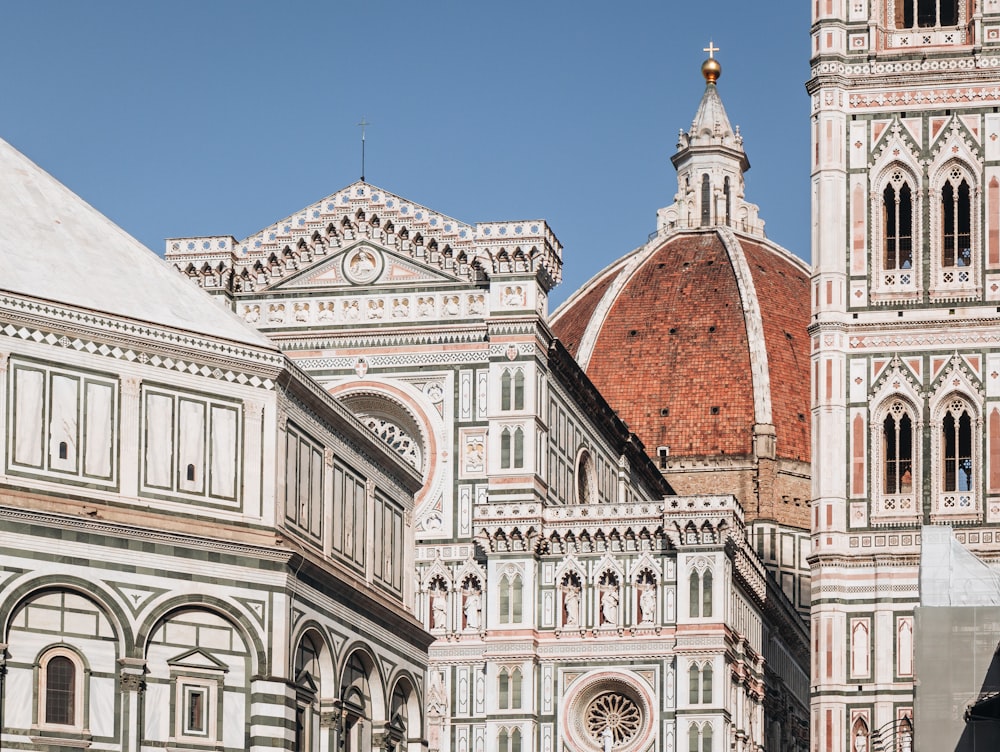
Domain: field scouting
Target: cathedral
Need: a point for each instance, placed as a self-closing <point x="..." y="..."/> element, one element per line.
<point x="364" y="490"/>
<point x="607" y="554"/>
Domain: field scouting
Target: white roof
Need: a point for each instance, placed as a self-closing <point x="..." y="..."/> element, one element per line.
<point x="57" y="247"/>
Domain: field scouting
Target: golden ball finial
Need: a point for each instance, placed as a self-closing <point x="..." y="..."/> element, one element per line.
<point x="711" y="69"/>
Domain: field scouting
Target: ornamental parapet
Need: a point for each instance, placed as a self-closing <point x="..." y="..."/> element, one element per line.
<point x="645" y="525"/>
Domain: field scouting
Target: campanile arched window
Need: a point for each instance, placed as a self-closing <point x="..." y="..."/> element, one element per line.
<point x="956" y="222"/>
<point x="956" y="448"/>
<point x="955" y="252"/>
<point x="956" y="441"/>
<point x="897" y="450"/>
<point x="897" y="223"/>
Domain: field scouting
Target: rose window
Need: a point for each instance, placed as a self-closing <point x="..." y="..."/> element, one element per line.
<point x="397" y="439"/>
<point x="616" y="712"/>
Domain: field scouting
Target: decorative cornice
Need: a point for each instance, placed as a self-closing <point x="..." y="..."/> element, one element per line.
<point x="57" y="325"/>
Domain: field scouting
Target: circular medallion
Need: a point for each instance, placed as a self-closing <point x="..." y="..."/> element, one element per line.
<point x="362" y="265"/>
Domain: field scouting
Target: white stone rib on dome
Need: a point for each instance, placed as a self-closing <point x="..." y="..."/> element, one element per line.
<point x="57" y="247"/>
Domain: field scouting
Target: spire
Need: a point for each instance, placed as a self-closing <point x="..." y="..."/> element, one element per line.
<point x="710" y="164"/>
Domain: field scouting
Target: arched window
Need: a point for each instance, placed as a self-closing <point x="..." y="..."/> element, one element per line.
<point x="515" y="689"/>
<point x="956" y="448"/>
<point x="503" y="741"/>
<point x="706" y="593"/>
<point x="897" y="224"/>
<point x="509" y="592"/>
<point x="956" y="222"/>
<point x="503" y="592"/>
<point x="61" y="689"/>
<point x="512" y="447"/>
<point x="694" y="595"/>
<point x="956" y="252"/>
<point x="503" y="689"/>
<point x="355" y="698"/>
<point x="700" y="684"/>
<point x="694" y="684"/>
<point x="706" y="738"/>
<point x="515" y="740"/>
<point x="897" y="450"/>
<point x="706" y="201"/>
<point x="515" y="600"/>
<point x="694" y="738"/>
<point x="729" y="201"/>
<point x="512" y="389"/>
<point x="306" y="673"/>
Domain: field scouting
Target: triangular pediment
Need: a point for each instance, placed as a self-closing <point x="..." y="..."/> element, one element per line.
<point x="197" y="659"/>
<point x="291" y="250"/>
<point x="363" y="264"/>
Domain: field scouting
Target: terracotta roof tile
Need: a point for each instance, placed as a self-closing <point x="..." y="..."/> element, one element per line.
<point x="672" y="355"/>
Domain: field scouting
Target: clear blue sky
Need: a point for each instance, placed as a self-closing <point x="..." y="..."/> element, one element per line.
<point x="218" y="117"/>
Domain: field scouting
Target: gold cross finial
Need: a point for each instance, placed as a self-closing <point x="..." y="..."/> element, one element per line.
<point x="711" y="49"/>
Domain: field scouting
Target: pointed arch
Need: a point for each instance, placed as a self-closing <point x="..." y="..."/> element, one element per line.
<point x="955" y="218"/>
<point x="896" y="205"/>
<point x="956" y="438"/>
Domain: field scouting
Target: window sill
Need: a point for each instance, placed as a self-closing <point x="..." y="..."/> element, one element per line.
<point x="53" y="736"/>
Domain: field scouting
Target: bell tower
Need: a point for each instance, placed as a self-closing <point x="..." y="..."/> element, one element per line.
<point x="905" y="182"/>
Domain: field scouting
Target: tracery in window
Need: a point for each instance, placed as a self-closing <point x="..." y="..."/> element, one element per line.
<point x="700" y="737"/>
<point x="509" y="688"/>
<point x="512" y="447"/>
<point x="397" y="438"/>
<point x="615" y="712"/>
<point x="700" y="593"/>
<point x="700" y="684"/>
<point x="956" y="447"/>
<point x="956" y="255"/>
<point x="510" y="599"/>
<point x="897" y="450"/>
<point x="897" y="219"/>
<point x="956" y="223"/>
<point x="512" y="389"/>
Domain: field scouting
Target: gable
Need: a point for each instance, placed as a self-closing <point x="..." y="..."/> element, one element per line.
<point x="363" y="263"/>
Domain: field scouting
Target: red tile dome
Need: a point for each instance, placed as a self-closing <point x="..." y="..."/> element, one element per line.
<point x="695" y="339"/>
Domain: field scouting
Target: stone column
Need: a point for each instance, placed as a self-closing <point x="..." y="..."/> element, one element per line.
<point x="131" y="684"/>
